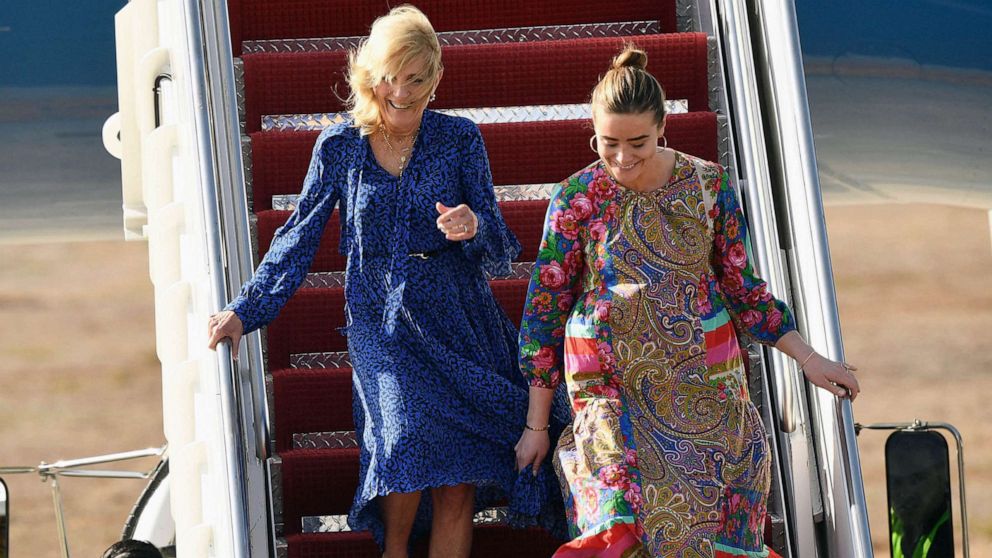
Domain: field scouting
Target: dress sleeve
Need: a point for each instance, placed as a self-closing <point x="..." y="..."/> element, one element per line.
<point x="554" y="287"/>
<point x="494" y="246"/>
<point x="293" y="246"/>
<point x="758" y="314"/>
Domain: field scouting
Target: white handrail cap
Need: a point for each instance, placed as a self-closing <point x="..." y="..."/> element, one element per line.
<point x="112" y="135"/>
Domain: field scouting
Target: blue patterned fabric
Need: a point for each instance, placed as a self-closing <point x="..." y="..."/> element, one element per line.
<point x="438" y="396"/>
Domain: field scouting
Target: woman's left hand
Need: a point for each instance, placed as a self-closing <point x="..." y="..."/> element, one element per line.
<point x="835" y="377"/>
<point x="532" y="448"/>
<point x="457" y="223"/>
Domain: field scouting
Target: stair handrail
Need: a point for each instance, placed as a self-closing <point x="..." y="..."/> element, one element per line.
<point x="241" y="382"/>
<point x="789" y="136"/>
<point x="815" y="437"/>
<point x="727" y="22"/>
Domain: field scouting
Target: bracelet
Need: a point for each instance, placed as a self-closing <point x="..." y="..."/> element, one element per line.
<point x="805" y="360"/>
<point x="529" y="427"/>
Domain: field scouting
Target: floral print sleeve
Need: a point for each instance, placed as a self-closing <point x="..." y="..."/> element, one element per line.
<point x="285" y="265"/>
<point x="554" y="285"/>
<point x="759" y="314"/>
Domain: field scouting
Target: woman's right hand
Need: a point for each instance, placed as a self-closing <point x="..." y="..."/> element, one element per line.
<point x="835" y="377"/>
<point x="225" y="325"/>
<point x="532" y="448"/>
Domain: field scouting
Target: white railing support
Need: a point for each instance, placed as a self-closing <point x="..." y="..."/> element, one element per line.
<point x="175" y="148"/>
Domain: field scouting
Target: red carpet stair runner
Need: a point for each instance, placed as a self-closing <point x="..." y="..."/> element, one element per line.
<point x="514" y="53"/>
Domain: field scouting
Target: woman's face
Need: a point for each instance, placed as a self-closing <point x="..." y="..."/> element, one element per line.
<point x="403" y="98"/>
<point x="625" y="142"/>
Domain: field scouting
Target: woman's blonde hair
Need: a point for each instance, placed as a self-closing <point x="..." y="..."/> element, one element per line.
<point x="396" y="39"/>
<point x="627" y="88"/>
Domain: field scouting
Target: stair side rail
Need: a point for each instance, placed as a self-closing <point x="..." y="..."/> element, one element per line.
<point x="795" y="189"/>
<point x="734" y="94"/>
<point x="177" y="134"/>
<point x="228" y="246"/>
<point x="771" y="141"/>
<point x="797" y="185"/>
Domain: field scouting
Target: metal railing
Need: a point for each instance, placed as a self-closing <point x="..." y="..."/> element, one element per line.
<point x="922" y="425"/>
<point x="765" y="93"/>
<point x="727" y="21"/>
<point x="75" y="468"/>
<point x="241" y="382"/>
<point x="788" y="133"/>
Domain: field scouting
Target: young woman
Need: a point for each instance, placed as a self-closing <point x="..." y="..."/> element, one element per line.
<point x="641" y="288"/>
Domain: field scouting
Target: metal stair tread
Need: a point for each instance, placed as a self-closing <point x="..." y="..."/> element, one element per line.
<point x="469" y="36"/>
<point x="254" y="20"/>
<point x="517" y="74"/>
<point x="520" y="153"/>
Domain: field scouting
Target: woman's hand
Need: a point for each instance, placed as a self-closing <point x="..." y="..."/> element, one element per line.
<point x="225" y="325"/>
<point x="532" y="448"/>
<point x="458" y="223"/>
<point x="835" y="377"/>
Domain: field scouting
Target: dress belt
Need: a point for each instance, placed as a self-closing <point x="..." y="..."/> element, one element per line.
<point x="432" y="253"/>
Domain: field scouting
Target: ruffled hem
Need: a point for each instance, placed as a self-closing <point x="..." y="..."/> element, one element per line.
<point x="620" y="540"/>
<point x="533" y="501"/>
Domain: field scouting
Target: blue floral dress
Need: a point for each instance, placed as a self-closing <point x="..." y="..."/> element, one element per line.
<point x="438" y="396"/>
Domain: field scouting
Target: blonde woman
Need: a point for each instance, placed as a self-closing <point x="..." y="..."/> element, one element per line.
<point x="642" y="286"/>
<point x="437" y="392"/>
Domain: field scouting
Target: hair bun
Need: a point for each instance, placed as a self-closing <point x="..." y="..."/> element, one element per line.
<point x="631" y="57"/>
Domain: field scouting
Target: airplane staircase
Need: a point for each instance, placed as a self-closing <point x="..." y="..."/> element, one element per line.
<point x="262" y="456"/>
<point x="523" y="70"/>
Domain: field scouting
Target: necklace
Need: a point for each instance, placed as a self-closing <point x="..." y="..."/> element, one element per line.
<point x="398" y="154"/>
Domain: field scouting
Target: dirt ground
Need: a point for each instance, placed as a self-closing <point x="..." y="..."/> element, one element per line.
<point x="914" y="285"/>
<point x="79" y="375"/>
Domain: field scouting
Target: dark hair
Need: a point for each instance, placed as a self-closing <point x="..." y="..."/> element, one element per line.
<point x="131" y="548"/>
<point x="627" y="88"/>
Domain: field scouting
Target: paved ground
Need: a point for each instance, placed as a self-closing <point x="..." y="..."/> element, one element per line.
<point x="56" y="179"/>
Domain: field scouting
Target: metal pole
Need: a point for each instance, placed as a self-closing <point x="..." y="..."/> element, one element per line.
<point x="60" y="517"/>
<point x="961" y="492"/>
<point x="241" y="393"/>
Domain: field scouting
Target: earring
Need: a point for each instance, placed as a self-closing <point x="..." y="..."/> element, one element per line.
<point x="433" y="96"/>
<point x="593" y="144"/>
<point x="665" y="144"/>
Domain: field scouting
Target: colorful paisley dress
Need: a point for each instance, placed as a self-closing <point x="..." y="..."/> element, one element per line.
<point x="637" y="299"/>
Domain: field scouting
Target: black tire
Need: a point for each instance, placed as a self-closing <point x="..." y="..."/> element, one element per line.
<point x="160" y="473"/>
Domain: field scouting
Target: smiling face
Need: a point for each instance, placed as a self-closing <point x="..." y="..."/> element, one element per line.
<point x="402" y="98"/>
<point x="627" y="143"/>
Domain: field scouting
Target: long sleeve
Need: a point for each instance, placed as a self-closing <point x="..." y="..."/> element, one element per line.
<point x="761" y="316"/>
<point x="285" y="265"/>
<point x="494" y="246"/>
<point x="554" y="288"/>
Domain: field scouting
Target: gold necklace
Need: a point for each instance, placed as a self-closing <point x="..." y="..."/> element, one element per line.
<point x="401" y="155"/>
